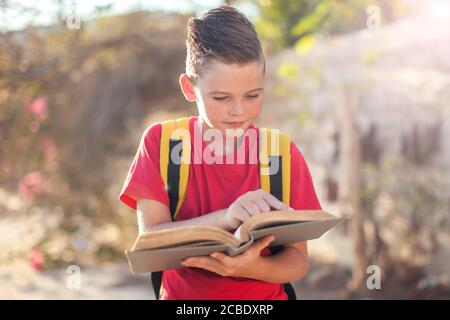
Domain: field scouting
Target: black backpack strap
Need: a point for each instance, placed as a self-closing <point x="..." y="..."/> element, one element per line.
<point x="173" y="178"/>
<point x="173" y="181"/>
<point x="289" y="289"/>
<point x="156" y="283"/>
<point x="276" y="189"/>
<point x="175" y="172"/>
<point x="276" y="180"/>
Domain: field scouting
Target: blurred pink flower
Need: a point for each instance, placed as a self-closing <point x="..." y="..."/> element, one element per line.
<point x="34" y="127"/>
<point x="39" y="108"/>
<point x="32" y="184"/>
<point x="37" y="259"/>
<point x="48" y="147"/>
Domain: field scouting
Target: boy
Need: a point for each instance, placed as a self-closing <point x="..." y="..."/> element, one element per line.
<point x="225" y="77"/>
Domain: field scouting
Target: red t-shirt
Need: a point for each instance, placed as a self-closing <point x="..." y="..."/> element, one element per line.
<point x="211" y="187"/>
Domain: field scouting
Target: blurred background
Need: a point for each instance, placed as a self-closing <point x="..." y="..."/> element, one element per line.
<point x="363" y="88"/>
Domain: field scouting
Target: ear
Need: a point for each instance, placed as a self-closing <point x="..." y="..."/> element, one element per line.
<point x="187" y="87"/>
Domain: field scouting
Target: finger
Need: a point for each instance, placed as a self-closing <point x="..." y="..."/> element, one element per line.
<point x="242" y="214"/>
<point x="225" y="259"/>
<point x="195" y="260"/>
<point x="263" y="242"/>
<point x="250" y="207"/>
<point x="206" y="263"/>
<point x="262" y="205"/>
<point x="274" y="202"/>
<point x="199" y="262"/>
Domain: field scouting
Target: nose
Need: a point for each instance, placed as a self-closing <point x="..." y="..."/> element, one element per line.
<point x="236" y="109"/>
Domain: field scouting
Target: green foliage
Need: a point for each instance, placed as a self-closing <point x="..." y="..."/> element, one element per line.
<point x="305" y="44"/>
<point x="71" y="102"/>
<point x="311" y="21"/>
<point x="277" y="20"/>
<point x="288" y="70"/>
<point x="283" y="23"/>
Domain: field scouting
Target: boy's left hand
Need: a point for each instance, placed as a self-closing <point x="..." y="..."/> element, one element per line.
<point x="242" y="265"/>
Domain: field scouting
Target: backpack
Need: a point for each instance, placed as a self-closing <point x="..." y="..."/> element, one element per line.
<point x="175" y="176"/>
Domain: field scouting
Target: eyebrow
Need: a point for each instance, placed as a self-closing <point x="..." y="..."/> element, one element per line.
<point x="223" y="92"/>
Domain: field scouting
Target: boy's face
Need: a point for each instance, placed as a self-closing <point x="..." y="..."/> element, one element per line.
<point x="228" y="96"/>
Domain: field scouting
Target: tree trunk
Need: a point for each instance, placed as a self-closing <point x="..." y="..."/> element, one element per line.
<point x="350" y="189"/>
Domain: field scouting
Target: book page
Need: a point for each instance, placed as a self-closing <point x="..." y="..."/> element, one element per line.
<point x="183" y="235"/>
<point x="273" y="218"/>
<point x="237" y="234"/>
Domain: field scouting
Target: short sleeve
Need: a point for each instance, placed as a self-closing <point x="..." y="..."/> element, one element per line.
<point x="143" y="180"/>
<point x="303" y="194"/>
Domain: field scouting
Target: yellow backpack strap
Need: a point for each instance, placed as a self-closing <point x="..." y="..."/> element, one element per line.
<point x="174" y="169"/>
<point x="276" y="177"/>
<point x="275" y="163"/>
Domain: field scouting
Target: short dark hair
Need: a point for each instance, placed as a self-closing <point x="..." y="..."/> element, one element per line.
<point x="224" y="34"/>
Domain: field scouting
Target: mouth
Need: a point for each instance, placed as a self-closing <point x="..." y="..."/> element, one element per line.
<point x="234" y="124"/>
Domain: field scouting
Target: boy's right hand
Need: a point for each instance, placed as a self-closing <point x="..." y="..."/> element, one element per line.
<point x="250" y="204"/>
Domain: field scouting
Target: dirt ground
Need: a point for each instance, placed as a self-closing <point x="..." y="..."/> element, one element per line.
<point x="114" y="281"/>
<point x="110" y="281"/>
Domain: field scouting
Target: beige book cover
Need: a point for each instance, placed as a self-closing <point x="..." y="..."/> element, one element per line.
<point x="164" y="249"/>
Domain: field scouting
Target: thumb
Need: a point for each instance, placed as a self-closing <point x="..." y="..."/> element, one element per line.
<point x="264" y="242"/>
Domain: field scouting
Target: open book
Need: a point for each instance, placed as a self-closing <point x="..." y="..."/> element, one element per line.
<point x="164" y="249"/>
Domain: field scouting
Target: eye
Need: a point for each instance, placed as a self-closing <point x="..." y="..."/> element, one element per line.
<point x="253" y="96"/>
<point x="220" y="98"/>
